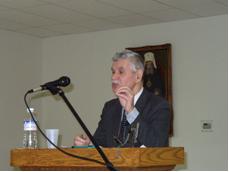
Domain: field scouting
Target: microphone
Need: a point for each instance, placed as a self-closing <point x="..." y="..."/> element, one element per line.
<point x="61" y="82"/>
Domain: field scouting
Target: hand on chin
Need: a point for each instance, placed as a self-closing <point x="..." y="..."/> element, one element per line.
<point x="126" y="97"/>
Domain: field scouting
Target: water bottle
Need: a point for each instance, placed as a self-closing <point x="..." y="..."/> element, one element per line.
<point x="30" y="131"/>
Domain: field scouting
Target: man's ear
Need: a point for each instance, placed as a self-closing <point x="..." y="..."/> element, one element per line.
<point x="139" y="75"/>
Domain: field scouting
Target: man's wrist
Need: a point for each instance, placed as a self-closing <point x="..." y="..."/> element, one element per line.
<point x="130" y="110"/>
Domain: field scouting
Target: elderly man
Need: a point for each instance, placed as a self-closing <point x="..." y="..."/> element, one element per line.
<point x="136" y="117"/>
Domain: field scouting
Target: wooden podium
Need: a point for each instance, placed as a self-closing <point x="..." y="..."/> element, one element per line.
<point x="122" y="158"/>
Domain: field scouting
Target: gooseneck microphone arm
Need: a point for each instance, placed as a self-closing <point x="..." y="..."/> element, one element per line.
<point x="108" y="164"/>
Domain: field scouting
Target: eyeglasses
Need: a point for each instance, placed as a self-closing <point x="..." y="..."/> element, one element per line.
<point x="119" y="142"/>
<point x="133" y="131"/>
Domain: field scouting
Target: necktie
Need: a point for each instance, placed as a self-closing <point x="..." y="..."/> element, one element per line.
<point x="124" y="121"/>
<point x="124" y="126"/>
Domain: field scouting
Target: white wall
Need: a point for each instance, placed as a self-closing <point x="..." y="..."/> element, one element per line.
<point x="199" y="64"/>
<point x="20" y="69"/>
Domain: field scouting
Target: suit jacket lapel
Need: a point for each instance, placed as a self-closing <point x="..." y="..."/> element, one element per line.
<point x="142" y="101"/>
<point x="117" y="118"/>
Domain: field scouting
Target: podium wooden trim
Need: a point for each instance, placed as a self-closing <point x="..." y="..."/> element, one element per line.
<point x="165" y="158"/>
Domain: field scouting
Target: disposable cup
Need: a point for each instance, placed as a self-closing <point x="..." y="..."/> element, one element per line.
<point x="53" y="135"/>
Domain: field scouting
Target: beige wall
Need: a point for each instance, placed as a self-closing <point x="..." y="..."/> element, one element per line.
<point x="199" y="50"/>
<point x="199" y="62"/>
<point x="20" y="70"/>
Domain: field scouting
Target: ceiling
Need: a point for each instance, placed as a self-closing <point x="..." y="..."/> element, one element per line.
<point x="47" y="18"/>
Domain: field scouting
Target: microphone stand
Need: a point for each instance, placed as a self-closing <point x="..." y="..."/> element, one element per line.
<point x="55" y="90"/>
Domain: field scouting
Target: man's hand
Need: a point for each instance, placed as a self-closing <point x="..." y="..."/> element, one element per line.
<point x="81" y="141"/>
<point x="126" y="98"/>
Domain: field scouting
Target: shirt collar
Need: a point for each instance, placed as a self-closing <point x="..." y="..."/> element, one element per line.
<point x="136" y="97"/>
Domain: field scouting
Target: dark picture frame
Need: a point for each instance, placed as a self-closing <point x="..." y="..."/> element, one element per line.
<point x="158" y="72"/>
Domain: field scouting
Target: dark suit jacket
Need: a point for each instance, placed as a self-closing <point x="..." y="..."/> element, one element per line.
<point x="153" y="121"/>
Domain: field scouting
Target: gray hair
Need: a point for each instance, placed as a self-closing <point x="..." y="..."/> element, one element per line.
<point x="135" y="59"/>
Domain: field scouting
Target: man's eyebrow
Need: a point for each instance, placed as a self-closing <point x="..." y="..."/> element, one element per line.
<point x="119" y="68"/>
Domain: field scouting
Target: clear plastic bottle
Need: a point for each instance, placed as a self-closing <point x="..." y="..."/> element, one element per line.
<point x="30" y="132"/>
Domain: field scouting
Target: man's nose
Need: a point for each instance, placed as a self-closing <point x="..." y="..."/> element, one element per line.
<point x="114" y="76"/>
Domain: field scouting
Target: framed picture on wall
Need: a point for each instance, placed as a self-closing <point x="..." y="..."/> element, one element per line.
<point x="157" y="76"/>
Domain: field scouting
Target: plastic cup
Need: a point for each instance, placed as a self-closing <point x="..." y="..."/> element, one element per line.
<point x="53" y="135"/>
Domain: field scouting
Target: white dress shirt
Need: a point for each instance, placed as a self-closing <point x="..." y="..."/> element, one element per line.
<point x="131" y="116"/>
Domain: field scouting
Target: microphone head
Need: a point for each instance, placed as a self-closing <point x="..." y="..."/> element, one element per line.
<point x="64" y="81"/>
<point x="61" y="82"/>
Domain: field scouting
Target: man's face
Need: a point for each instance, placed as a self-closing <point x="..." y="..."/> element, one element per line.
<point x="123" y="75"/>
<point x="149" y="69"/>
